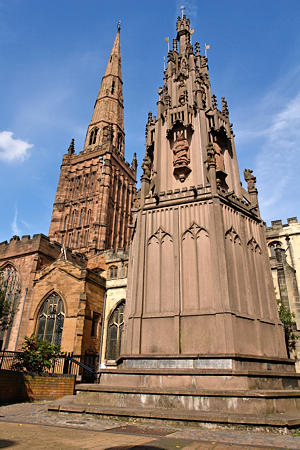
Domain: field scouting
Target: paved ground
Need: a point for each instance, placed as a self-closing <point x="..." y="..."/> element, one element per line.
<point x="31" y="426"/>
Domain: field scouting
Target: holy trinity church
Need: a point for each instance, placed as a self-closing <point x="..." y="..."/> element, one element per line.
<point x="198" y="251"/>
<point x="59" y="282"/>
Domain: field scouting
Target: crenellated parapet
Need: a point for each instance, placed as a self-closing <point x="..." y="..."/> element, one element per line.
<point x="39" y="244"/>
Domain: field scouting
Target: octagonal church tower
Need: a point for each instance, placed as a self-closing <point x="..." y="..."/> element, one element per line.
<point x="199" y="279"/>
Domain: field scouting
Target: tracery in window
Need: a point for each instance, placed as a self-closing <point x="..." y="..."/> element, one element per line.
<point x="50" y="321"/>
<point x="114" y="332"/>
<point x="93" y="136"/>
<point x="11" y="286"/>
<point x="273" y="245"/>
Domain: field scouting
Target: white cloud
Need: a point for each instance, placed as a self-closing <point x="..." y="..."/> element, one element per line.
<point x="14" y="225"/>
<point x="12" y="149"/>
<point x="272" y="136"/>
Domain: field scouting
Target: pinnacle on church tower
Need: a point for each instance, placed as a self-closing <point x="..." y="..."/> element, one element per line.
<point x="92" y="208"/>
<point x="108" y="111"/>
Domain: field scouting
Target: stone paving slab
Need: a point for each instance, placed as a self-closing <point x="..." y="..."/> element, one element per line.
<point x="32" y="426"/>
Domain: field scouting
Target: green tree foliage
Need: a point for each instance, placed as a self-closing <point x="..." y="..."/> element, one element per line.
<point x="37" y="356"/>
<point x="7" y="310"/>
<point x="288" y="320"/>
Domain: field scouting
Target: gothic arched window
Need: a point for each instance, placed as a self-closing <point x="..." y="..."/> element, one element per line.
<point x="50" y="320"/>
<point x="93" y="136"/>
<point x="86" y="238"/>
<point x="11" y="286"/>
<point x="272" y="246"/>
<point x="88" y="219"/>
<point x="114" y="332"/>
<point x="113" y="272"/>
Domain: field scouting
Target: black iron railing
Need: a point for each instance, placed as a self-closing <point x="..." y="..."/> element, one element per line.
<point x="84" y="367"/>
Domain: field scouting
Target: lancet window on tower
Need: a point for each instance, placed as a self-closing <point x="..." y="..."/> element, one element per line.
<point x="93" y="136"/>
<point x="113" y="85"/>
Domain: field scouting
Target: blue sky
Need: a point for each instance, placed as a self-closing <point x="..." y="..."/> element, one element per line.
<point x="54" y="53"/>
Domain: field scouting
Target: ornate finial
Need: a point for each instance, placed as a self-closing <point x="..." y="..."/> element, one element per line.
<point x="250" y="179"/>
<point x="197" y="48"/>
<point x="134" y="163"/>
<point x="214" y="101"/>
<point x="182" y="8"/>
<point x="71" y="149"/>
<point x="225" y="107"/>
<point x="119" y="25"/>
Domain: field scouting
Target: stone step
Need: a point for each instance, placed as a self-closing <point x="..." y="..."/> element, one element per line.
<point x="265" y="393"/>
<point x="260" y="420"/>
<point x="181" y="371"/>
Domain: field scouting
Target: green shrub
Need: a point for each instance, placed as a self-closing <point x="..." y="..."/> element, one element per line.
<point x="288" y="320"/>
<point x="37" y="356"/>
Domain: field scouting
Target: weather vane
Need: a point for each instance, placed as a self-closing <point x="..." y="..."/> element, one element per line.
<point x="182" y="8"/>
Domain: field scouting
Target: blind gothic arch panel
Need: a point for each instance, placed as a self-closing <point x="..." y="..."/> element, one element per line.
<point x="115" y="328"/>
<point x="50" y="319"/>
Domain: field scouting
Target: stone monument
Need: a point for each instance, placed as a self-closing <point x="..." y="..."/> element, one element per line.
<point x="202" y="335"/>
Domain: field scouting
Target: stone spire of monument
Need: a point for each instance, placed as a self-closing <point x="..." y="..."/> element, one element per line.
<point x="107" y="123"/>
<point x="188" y="114"/>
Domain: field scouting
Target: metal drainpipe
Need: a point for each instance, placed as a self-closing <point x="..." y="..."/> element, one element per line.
<point x="20" y="321"/>
<point x="101" y="337"/>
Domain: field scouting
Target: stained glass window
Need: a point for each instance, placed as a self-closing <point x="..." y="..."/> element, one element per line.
<point x="50" y="320"/>
<point x="114" y="332"/>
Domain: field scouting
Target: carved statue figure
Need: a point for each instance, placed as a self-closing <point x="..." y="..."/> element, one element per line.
<point x="249" y="178"/>
<point x="210" y="154"/>
<point x="137" y="199"/>
<point x="219" y="156"/>
<point x="182" y="92"/>
<point x="181" y="151"/>
<point x="146" y="166"/>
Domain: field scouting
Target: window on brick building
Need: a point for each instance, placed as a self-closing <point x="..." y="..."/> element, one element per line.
<point x="113" y="272"/>
<point x="114" y="332"/>
<point x="50" y="321"/>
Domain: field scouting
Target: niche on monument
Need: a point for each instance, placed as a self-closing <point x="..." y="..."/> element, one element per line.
<point x="180" y="140"/>
<point x="223" y="150"/>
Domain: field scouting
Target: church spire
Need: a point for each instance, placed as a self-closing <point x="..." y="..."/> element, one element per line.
<point x="107" y="124"/>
